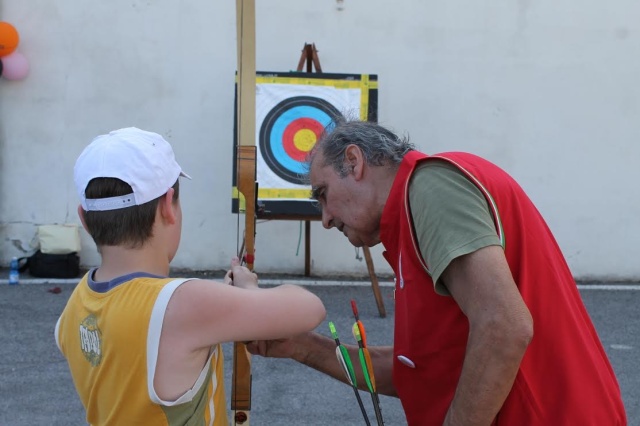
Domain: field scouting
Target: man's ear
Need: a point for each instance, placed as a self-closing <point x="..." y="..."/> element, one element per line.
<point x="167" y="207"/>
<point x="354" y="161"/>
<point x="81" y="216"/>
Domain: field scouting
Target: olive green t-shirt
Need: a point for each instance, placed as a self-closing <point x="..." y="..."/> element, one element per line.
<point x="450" y="215"/>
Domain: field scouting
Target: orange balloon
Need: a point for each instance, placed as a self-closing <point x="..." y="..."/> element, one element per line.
<point x="8" y="38"/>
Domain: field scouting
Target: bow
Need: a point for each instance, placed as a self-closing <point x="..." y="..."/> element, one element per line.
<point x="246" y="169"/>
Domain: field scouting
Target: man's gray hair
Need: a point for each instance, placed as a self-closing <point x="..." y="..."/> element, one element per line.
<point x="380" y="146"/>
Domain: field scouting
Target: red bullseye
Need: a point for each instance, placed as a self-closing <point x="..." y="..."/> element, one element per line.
<point x="300" y="136"/>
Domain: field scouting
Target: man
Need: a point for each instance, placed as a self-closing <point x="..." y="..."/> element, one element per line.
<point x="144" y="348"/>
<point x="489" y="325"/>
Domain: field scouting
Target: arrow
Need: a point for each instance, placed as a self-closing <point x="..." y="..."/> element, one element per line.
<point x="365" y="361"/>
<point x="345" y="361"/>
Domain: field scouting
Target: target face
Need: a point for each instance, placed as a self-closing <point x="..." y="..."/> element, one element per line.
<point x="290" y="131"/>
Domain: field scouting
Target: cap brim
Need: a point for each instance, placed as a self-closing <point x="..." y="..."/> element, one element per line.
<point x="183" y="174"/>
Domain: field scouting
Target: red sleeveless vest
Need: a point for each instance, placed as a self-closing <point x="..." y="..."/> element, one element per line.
<point x="565" y="377"/>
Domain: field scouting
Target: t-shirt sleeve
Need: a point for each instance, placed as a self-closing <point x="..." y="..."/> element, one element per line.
<point x="451" y="217"/>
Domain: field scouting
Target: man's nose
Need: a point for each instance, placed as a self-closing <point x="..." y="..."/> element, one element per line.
<point x="327" y="219"/>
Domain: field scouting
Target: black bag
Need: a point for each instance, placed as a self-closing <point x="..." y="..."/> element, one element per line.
<point x="44" y="265"/>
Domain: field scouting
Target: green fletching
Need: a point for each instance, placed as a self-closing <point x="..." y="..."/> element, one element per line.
<point x="343" y="356"/>
<point x="343" y="364"/>
<point x="363" y="363"/>
<point x="349" y="364"/>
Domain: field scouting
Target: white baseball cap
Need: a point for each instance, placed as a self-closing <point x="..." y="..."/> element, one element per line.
<point x="142" y="159"/>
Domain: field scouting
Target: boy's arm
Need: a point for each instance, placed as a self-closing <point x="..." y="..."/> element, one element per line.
<point x="202" y="313"/>
<point x="209" y="312"/>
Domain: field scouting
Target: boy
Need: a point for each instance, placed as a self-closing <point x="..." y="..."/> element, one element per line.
<point x="144" y="348"/>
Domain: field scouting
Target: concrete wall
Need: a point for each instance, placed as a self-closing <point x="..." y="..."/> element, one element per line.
<point x="548" y="90"/>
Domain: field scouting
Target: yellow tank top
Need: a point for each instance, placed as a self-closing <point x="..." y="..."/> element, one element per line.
<point x="111" y="342"/>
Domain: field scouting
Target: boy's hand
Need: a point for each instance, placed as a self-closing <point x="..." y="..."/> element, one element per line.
<point x="240" y="276"/>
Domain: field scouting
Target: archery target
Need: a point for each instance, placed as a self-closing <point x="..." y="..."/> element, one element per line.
<point x="289" y="120"/>
<point x="289" y="132"/>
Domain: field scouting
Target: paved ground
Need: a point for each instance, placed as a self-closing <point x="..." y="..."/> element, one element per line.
<point x="36" y="389"/>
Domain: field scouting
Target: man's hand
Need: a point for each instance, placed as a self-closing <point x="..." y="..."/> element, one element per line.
<point x="279" y="348"/>
<point x="319" y="352"/>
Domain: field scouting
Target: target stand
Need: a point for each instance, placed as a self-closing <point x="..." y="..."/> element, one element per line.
<point x="292" y="110"/>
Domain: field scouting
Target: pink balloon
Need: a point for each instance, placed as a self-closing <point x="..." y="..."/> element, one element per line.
<point x="14" y="66"/>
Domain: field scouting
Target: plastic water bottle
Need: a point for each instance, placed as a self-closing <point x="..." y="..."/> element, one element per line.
<point x="14" y="274"/>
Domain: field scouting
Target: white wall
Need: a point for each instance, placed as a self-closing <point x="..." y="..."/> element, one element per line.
<point x="549" y="90"/>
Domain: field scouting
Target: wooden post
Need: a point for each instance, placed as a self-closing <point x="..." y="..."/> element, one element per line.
<point x="375" y="286"/>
